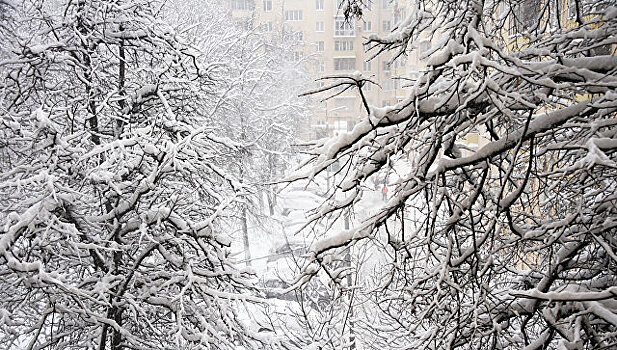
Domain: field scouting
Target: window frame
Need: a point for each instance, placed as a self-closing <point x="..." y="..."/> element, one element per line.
<point x="242" y="5"/>
<point x="367" y="26"/>
<point x="389" y="25"/>
<point x="350" y="64"/>
<point x="343" y="45"/>
<point x="367" y="66"/>
<point x="347" y="30"/>
<point x="294" y="15"/>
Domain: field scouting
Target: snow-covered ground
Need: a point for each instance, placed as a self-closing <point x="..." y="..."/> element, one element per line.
<point x="279" y="242"/>
<point x="280" y="236"/>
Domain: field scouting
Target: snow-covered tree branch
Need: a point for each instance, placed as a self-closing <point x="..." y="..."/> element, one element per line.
<point x="115" y="181"/>
<point x="499" y="229"/>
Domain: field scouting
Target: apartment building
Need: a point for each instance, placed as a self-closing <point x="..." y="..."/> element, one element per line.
<point x="328" y="44"/>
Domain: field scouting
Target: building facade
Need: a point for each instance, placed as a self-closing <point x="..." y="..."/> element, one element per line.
<point x="327" y="44"/>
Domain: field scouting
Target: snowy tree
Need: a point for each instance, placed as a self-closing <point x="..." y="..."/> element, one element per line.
<point x="115" y="185"/>
<point x="5" y="7"/>
<point x="499" y="228"/>
<point x="263" y="114"/>
<point x="262" y="110"/>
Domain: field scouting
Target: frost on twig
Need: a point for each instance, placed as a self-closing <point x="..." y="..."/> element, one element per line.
<point x="498" y="230"/>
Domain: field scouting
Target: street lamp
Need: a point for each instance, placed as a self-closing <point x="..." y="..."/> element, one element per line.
<point x="328" y="122"/>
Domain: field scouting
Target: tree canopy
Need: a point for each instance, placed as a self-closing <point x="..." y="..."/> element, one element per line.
<point x="118" y="183"/>
<point x="499" y="231"/>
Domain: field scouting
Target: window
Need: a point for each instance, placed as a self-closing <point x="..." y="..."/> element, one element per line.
<point x="320" y="46"/>
<point x="392" y="84"/>
<point x="385" y="103"/>
<point x="526" y="14"/>
<point x="321" y="67"/>
<point x="267" y="5"/>
<point x="366" y="66"/>
<point x="346" y="63"/>
<point x="571" y="9"/>
<point x="401" y="61"/>
<point x="319" y="27"/>
<point x="342" y="27"/>
<point x="341" y="126"/>
<point x="297" y="56"/>
<point x="267" y="27"/>
<point x="367" y="26"/>
<point x="385" y="66"/>
<point x="387" y="25"/>
<point x="299" y="36"/>
<point x="386" y="4"/>
<point x="397" y="17"/>
<point x="242" y="5"/>
<point x="343" y="45"/>
<point x="319" y="5"/>
<point x="293" y="15"/>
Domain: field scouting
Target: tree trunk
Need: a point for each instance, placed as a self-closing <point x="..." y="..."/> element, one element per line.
<point x="271" y="201"/>
<point x="121" y="92"/>
<point x="245" y="235"/>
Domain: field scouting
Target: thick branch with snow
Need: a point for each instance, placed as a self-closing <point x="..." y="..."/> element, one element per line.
<point x="499" y="228"/>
